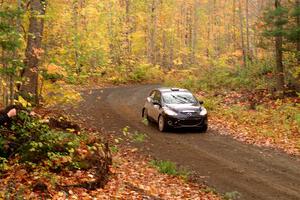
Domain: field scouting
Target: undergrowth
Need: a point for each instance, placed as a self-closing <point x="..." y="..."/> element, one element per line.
<point x="244" y="98"/>
<point x="28" y="143"/>
<point x="170" y="168"/>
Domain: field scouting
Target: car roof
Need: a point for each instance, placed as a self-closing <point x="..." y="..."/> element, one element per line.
<point x="168" y="89"/>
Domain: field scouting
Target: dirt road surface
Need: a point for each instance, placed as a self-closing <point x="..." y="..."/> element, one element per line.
<point x="218" y="161"/>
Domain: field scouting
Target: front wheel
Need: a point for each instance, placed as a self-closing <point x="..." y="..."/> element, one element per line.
<point x="204" y="128"/>
<point x="145" y="114"/>
<point x="162" y="126"/>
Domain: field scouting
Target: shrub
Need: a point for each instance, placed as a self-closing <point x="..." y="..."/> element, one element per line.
<point x="138" y="74"/>
<point x="53" y="77"/>
<point x="220" y="76"/>
<point x="36" y="145"/>
<point x="213" y="78"/>
<point x="74" y="79"/>
<point x="211" y="103"/>
<point x="145" y="72"/>
<point x="59" y="93"/>
<point x="181" y="78"/>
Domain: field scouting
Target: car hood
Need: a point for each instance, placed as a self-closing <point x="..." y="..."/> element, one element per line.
<point x="184" y="107"/>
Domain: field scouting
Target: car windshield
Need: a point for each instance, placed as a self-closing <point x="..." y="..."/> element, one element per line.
<point x="178" y="98"/>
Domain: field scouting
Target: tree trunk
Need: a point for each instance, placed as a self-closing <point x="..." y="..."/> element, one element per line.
<point x="210" y="29"/>
<point x="188" y="34"/>
<point x="249" y="56"/>
<point x="29" y="89"/>
<point x="242" y="34"/>
<point x="214" y="29"/>
<point x="279" y="64"/>
<point x="5" y="80"/>
<point x="233" y="24"/>
<point x="298" y="41"/>
<point x="128" y="27"/>
<point x="152" y="25"/>
<point x="164" y="50"/>
<point x="195" y="31"/>
<point x="75" y="10"/>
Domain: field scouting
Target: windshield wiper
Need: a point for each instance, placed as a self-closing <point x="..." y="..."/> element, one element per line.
<point x="187" y="99"/>
<point x="175" y="97"/>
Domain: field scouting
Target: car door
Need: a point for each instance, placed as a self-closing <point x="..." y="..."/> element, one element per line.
<point x="149" y="104"/>
<point x="156" y="107"/>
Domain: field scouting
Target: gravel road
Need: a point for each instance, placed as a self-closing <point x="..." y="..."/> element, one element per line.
<point x="218" y="161"/>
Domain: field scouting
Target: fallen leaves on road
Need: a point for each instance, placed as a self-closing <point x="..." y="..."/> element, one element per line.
<point x="133" y="178"/>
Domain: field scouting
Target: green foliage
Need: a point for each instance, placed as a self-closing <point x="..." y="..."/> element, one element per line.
<point x="139" y="137"/>
<point x="181" y="77"/>
<point x="294" y="31"/>
<point x="170" y="168"/>
<point x="232" y="195"/>
<point x="138" y="74"/>
<point x="190" y="82"/>
<point x="215" y="77"/>
<point x="258" y="75"/>
<point x="297" y="118"/>
<point x="35" y="142"/>
<point x="59" y="93"/>
<point x="275" y="20"/>
<point x="10" y="40"/>
<point x="114" y="149"/>
<point x="3" y="161"/>
<point x="38" y="145"/>
<point x="153" y="73"/>
<point x="145" y="121"/>
<point x="135" y="137"/>
<point x="53" y="77"/>
<point x="74" y="79"/>
<point x="211" y="103"/>
<point x="165" y="167"/>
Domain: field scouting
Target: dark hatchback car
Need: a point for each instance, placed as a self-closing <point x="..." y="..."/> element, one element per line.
<point x="175" y="108"/>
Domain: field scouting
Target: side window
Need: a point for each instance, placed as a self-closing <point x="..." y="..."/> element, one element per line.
<point x="152" y="94"/>
<point x="157" y="96"/>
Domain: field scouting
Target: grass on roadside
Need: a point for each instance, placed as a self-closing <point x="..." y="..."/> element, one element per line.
<point x="170" y="168"/>
<point x="135" y="136"/>
<point x="139" y="137"/>
<point x="232" y="195"/>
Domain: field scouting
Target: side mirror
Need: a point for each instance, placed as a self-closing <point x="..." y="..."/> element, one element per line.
<point x="201" y="102"/>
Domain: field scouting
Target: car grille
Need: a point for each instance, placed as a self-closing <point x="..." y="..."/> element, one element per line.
<point x="190" y="122"/>
<point x="191" y="114"/>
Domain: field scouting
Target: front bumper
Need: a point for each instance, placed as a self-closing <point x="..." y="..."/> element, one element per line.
<point x="186" y="122"/>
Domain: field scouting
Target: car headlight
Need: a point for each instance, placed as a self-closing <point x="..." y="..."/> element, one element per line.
<point x="203" y="111"/>
<point x="170" y="112"/>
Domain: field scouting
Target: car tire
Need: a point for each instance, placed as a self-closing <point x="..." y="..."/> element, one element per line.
<point x="204" y="128"/>
<point x="162" y="126"/>
<point x="145" y="114"/>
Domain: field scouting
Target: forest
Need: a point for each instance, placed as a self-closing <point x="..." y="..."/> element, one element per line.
<point x="251" y="44"/>
<point x="241" y="56"/>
